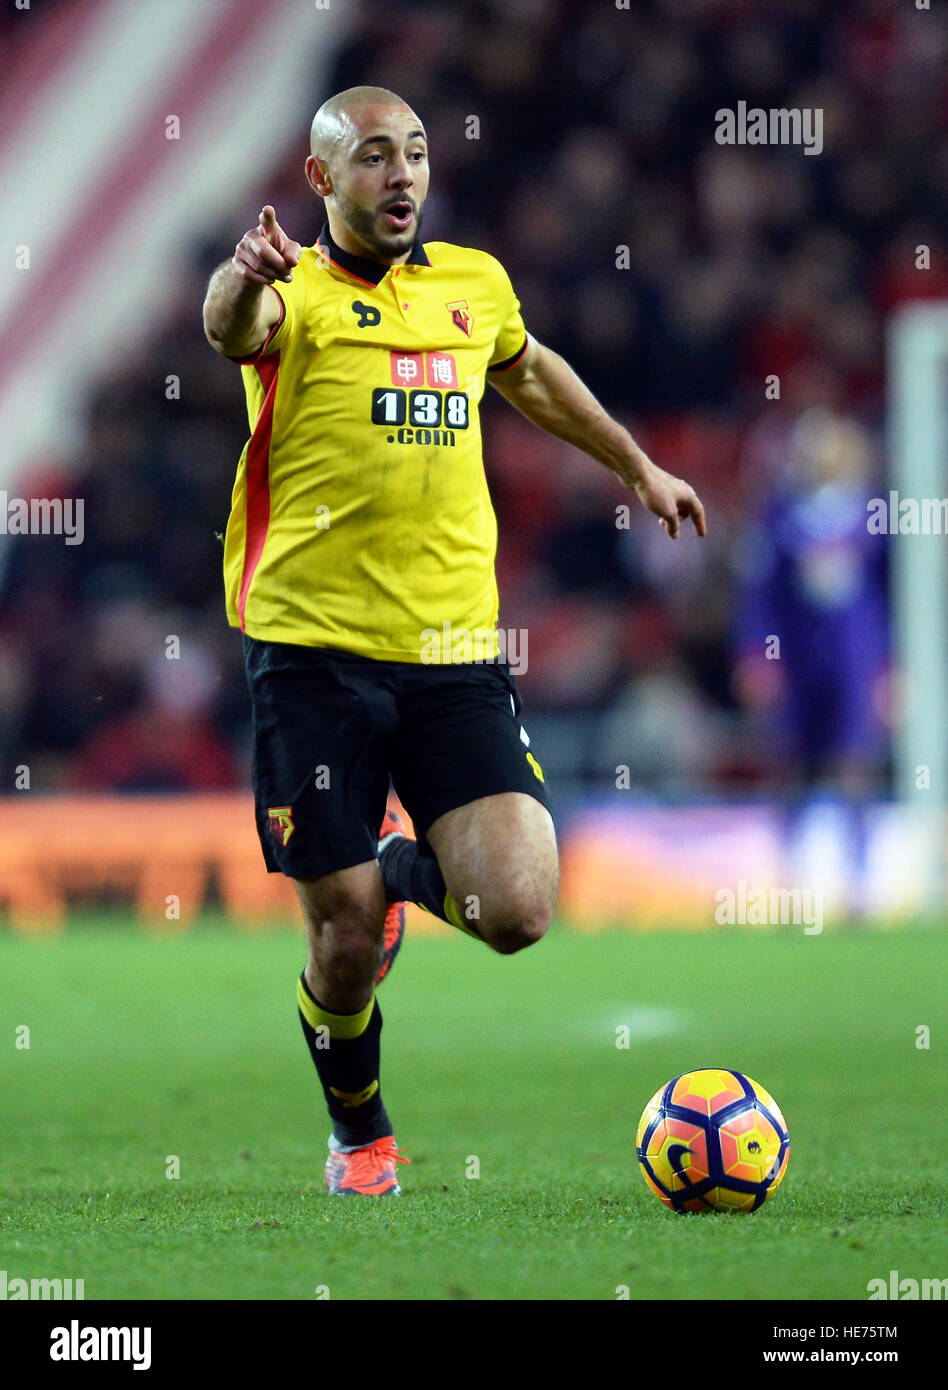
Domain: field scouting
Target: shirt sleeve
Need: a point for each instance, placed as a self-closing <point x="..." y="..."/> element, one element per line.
<point x="511" y="341"/>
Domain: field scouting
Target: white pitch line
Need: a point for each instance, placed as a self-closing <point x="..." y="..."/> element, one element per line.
<point x="643" y="1021"/>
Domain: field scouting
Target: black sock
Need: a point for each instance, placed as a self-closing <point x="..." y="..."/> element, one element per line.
<point x="346" y="1050"/>
<point x="410" y="876"/>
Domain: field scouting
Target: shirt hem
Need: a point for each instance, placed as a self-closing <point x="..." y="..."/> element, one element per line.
<point x="295" y="639"/>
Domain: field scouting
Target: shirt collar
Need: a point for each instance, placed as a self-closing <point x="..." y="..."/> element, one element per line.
<point x="373" y="272"/>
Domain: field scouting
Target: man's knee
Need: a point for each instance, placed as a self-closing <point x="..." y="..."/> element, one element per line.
<point x="353" y="935"/>
<point x="516" y="923"/>
<point x="344" y="922"/>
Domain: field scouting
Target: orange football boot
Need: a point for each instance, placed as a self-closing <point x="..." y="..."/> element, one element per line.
<point x="368" y="1171"/>
<point x="395" y="916"/>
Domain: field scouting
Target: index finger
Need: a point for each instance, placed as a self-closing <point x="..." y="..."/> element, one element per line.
<point x="268" y="219"/>
<point x="267" y="253"/>
<point x="697" y="516"/>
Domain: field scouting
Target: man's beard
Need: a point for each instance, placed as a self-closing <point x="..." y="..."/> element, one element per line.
<point x="363" y="224"/>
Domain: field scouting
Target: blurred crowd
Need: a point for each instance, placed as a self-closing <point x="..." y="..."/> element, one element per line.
<point x="728" y="303"/>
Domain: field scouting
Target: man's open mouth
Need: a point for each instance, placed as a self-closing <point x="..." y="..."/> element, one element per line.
<point x="398" y="215"/>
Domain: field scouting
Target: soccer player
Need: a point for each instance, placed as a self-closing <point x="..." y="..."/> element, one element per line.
<point x="359" y="565"/>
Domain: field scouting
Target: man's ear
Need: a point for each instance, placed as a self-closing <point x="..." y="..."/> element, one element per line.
<point x="318" y="176"/>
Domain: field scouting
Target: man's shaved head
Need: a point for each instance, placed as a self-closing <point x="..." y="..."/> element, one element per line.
<point x="369" y="163"/>
<point x="333" y="121"/>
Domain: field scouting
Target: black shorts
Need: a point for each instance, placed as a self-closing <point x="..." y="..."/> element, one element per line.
<point x="331" y="728"/>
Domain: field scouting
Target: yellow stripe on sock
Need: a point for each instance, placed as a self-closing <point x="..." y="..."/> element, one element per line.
<point x="352" y="1099"/>
<point x="340" y="1026"/>
<point x="453" y="915"/>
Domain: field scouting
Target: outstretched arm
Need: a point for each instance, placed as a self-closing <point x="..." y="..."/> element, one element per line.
<point x="547" y="391"/>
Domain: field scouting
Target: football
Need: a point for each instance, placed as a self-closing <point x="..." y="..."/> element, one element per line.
<point x="713" y="1140"/>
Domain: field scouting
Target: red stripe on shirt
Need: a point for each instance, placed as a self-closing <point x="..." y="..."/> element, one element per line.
<point x="248" y="361"/>
<point x="257" y="521"/>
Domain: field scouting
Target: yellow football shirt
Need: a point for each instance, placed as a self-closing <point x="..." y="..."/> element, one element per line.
<point x="361" y="517"/>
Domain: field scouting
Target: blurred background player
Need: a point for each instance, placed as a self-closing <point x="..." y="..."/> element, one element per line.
<point x="812" y="636"/>
<point x="815" y="580"/>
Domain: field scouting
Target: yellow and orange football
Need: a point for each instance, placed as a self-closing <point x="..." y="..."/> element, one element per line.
<point x="713" y="1140"/>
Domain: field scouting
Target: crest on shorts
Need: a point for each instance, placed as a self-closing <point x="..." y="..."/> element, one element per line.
<point x="281" y="823"/>
<point x="460" y="315"/>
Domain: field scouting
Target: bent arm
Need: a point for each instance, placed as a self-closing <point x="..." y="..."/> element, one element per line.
<point x="239" y="314"/>
<point x="241" y="308"/>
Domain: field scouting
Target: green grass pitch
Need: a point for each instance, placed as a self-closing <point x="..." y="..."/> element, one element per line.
<point x="143" y="1048"/>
